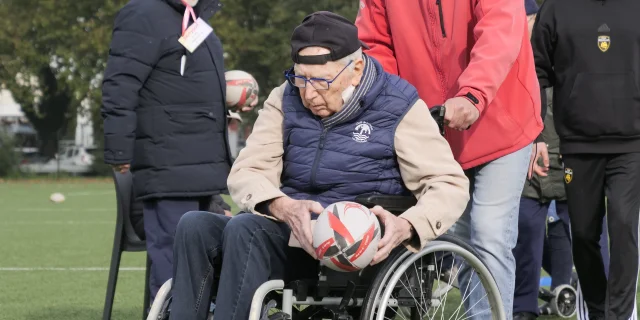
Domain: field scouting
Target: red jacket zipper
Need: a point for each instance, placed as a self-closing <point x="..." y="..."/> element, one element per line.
<point x="444" y="32"/>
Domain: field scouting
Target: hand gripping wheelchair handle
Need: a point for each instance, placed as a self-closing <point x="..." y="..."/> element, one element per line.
<point x="437" y="112"/>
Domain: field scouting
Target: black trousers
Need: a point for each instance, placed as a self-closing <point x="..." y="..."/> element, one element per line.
<point x="547" y="245"/>
<point x="589" y="178"/>
<point x="556" y="259"/>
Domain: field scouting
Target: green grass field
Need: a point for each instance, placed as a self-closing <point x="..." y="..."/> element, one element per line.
<point x="54" y="258"/>
<point x="60" y="253"/>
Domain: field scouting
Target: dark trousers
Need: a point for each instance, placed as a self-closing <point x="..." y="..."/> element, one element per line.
<point x="541" y="245"/>
<point x="254" y="250"/>
<point x="594" y="177"/>
<point x="161" y="217"/>
<point x="556" y="257"/>
<point x="556" y="253"/>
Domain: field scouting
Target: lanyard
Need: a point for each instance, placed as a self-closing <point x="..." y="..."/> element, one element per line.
<point x="185" y="19"/>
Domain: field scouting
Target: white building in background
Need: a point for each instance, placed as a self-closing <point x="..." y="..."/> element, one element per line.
<point x="9" y="109"/>
<point x="14" y="121"/>
<point x="84" y="126"/>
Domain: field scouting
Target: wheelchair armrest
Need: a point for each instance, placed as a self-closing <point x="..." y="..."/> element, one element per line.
<point x="393" y="204"/>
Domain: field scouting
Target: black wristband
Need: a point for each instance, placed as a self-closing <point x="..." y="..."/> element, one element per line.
<point x="539" y="138"/>
<point x="471" y="97"/>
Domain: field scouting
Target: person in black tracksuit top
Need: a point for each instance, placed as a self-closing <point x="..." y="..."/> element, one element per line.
<point x="589" y="52"/>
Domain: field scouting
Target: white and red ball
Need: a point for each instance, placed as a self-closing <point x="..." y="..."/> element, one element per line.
<point x="242" y="88"/>
<point x="346" y="236"/>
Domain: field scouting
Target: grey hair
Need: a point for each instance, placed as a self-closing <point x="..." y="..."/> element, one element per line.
<point x="351" y="57"/>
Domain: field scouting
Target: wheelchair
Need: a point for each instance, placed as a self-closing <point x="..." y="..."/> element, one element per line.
<point x="406" y="285"/>
<point x="562" y="301"/>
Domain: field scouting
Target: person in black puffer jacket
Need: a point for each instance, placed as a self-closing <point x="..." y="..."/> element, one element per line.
<point x="165" y="117"/>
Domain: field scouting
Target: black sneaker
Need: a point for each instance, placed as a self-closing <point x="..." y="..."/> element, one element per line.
<point x="524" y="316"/>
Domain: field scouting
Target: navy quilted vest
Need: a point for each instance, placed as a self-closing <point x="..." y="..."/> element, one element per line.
<point x="351" y="158"/>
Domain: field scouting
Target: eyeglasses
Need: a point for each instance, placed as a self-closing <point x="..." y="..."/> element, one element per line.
<point x="317" y="83"/>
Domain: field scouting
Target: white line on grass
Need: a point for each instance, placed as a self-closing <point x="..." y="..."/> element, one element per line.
<point x="64" y="209"/>
<point x="11" y="223"/>
<point x="89" y="193"/>
<point x="68" y="269"/>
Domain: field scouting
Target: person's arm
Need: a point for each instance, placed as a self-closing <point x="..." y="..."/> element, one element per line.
<point x="255" y="176"/>
<point x="132" y="55"/>
<point x="373" y="30"/>
<point x="543" y="110"/>
<point x="500" y="28"/>
<point x="431" y="173"/>
<point x="543" y="43"/>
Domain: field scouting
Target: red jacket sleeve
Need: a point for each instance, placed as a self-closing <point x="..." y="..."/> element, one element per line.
<point x="373" y="30"/>
<point x="499" y="31"/>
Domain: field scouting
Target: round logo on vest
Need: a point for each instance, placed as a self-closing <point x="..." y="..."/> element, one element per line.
<point x="362" y="131"/>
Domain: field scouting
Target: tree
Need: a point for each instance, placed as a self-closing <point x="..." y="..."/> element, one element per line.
<point x="51" y="54"/>
<point x="8" y="156"/>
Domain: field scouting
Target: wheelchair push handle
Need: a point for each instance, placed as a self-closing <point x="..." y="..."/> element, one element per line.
<point x="437" y="112"/>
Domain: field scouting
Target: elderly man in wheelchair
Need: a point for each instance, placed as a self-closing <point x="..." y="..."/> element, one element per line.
<point x="339" y="129"/>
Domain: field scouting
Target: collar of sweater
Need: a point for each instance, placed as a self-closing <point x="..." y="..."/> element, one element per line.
<point x="351" y="106"/>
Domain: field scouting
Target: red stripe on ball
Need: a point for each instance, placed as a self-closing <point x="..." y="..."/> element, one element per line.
<point x="364" y="244"/>
<point x="323" y="247"/>
<point x="339" y="227"/>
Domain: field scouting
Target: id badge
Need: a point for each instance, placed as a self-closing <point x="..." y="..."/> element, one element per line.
<point x="195" y="35"/>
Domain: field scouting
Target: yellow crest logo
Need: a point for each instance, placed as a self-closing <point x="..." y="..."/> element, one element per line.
<point x="604" y="42"/>
<point x="568" y="175"/>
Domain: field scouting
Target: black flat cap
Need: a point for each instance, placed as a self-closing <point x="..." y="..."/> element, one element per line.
<point x="325" y="29"/>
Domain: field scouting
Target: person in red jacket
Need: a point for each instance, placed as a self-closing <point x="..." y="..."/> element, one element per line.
<point x="473" y="56"/>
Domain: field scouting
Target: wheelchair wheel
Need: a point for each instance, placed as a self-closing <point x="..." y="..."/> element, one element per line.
<point x="564" y="301"/>
<point x="160" y="306"/>
<point x="417" y="286"/>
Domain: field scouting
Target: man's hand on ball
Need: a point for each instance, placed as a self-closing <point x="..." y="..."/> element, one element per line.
<point x="297" y="215"/>
<point x="460" y="113"/>
<point x="248" y="107"/>
<point x="396" y="231"/>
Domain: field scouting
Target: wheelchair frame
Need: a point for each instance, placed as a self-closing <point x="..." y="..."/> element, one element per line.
<point x="376" y="297"/>
<point x="381" y="298"/>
